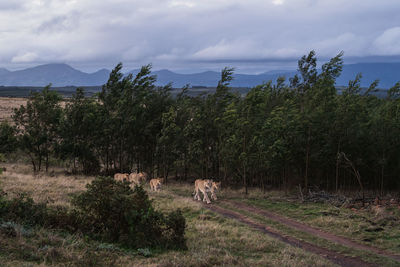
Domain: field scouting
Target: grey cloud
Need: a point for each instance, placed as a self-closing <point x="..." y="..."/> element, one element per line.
<point x="196" y="34"/>
<point x="11" y="5"/>
<point x="60" y="23"/>
<point x="388" y="43"/>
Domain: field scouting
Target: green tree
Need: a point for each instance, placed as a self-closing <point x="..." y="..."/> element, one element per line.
<point x="80" y="128"/>
<point x="8" y="140"/>
<point x="38" y="123"/>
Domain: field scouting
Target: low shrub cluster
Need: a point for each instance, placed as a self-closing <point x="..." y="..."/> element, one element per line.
<point x="109" y="211"/>
<point x="113" y="212"/>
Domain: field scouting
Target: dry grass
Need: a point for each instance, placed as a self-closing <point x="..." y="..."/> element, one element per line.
<point x="7" y="105"/>
<point x="53" y="187"/>
<point x="215" y="240"/>
<point x="211" y="239"/>
<point x="374" y="226"/>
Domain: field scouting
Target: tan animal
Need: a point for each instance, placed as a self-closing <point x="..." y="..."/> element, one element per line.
<point x="138" y="178"/>
<point x="215" y="187"/>
<point x="121" y="176"/>
<point x="155" y="184"/>
<point x="202" y="186"/>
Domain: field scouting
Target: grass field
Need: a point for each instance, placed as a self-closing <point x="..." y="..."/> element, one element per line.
<point x="7" y="105"/>
<point x="212" y="239"/>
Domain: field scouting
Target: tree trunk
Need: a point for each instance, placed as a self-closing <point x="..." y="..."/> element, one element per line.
<point x="307" y="159"/>
<point x="120" y="157"/>
<point x="166" y="175"/>
<point x="356" y="173"/>
<point x="337" y="168"/>
<point x="39" y="162"/>
<point x="185" y="167"/>
<point x="263" y="183"/>
<point x="33" y="162"/>
<point x="382" y="172"/>
<point x="244" y="178"/>
<point x="47" y="162"/>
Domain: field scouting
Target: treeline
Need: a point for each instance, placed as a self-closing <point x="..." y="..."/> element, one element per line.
<point x="279" y="135"/>
<point x="25" y="91"/>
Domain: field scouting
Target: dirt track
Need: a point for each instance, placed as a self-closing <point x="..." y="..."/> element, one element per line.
<point x="313" y="231"/>
<point x="333" y="256"/>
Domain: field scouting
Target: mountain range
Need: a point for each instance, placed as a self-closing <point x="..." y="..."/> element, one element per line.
<point x="65" y="75"/>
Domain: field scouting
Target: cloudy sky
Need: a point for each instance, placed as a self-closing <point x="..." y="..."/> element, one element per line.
<point x="191" y="35"/>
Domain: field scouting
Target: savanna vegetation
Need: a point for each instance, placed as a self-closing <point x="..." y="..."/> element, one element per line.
<point x="279" y="135"/>
<point x="303" y="133"/>
<point x="27" y="238"/>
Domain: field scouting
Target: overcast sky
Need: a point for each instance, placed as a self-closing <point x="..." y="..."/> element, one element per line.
<point x="192" y="35"/>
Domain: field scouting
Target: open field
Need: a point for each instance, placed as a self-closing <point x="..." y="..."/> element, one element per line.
<point x="7" y="105"/>
<point x="236" y="230"/>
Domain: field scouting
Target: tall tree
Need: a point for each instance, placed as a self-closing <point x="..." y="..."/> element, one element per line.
<point x="80" y="131"/>
<point x="38" y="123"/>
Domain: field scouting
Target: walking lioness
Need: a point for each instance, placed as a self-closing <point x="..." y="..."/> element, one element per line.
<point x="155" y="184"/>
<point x="214" y="189"/>
<point x="138" y="178"/>
<point x="201" y="185"/>
<point x="121" y="176"/>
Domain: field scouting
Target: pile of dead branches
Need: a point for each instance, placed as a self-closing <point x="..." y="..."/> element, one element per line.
<point x="337" y="200"/>
<point x="340" y="200"/>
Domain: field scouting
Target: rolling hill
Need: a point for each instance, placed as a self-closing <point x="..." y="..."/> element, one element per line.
<point x="60" y="75"/>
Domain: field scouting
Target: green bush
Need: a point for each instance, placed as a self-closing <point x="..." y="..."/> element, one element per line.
<point x="175" y="232"/>
<point x="109" y="211"/>
<point x="8" y="139"/>
<point x="113" y="212"/>
<point x="22" y="209"/>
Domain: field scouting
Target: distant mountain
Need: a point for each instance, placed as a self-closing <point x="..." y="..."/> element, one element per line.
<point x="65" y="75"/>
<point x="211" y="78"/>
<point x="56" y="74"/>
<point x="388" y="74"/>
<point x="4" y="71"/>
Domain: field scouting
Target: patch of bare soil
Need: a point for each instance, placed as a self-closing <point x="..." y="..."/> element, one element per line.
<point x="313" y="231"/>
<point x="333" y="256"/>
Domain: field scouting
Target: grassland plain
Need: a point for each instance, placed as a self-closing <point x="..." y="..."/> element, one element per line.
<point x="8" y="104"/>
<point x="211" y="239"/>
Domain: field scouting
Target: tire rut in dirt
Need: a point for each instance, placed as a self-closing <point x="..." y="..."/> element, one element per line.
<point x="311" y="230"/>
<point x="323" y="252"/>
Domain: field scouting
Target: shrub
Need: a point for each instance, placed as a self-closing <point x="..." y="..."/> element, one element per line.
<point x="8" y="140"/>
<point x="109" y="211"/>
<point x="113" y="212"/>
<point x="22" y="209"/>
<point x="176" y="225"/>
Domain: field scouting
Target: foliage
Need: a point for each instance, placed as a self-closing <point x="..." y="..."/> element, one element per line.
<point x="113" y="212"/>
<point x="109" y="211"/>
<point x="22" y="209"/>
<point x="8" y="140"/>
<point x="281" y="134"/>
<point x="80" y="127"/>
<point x="38" y="124"/>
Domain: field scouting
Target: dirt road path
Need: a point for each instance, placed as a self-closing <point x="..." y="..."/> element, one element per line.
<point x="310" y="230"/>
<point x="326" y="253"/>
